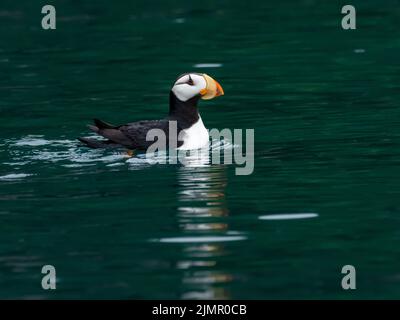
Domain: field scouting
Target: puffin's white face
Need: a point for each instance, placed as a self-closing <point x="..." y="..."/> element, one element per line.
<point x="192" y="84"/>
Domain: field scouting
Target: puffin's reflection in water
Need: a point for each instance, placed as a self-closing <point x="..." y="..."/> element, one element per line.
<point x="201" y="195"/>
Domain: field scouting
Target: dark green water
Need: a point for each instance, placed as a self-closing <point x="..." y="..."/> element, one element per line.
<point x="324" y="104"/>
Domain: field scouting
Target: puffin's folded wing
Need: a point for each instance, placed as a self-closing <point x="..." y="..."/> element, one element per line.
<point x="116" y="136"/>
<point x="137" y="131"/>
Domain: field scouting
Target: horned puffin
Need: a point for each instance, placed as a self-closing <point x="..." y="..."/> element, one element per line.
<point x="184" y="96"/>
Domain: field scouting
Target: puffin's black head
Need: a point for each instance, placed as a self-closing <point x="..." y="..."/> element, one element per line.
<point x="186" y="92"/>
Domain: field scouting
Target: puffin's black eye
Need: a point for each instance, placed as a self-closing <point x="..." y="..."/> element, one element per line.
<point x="190" y="81"/>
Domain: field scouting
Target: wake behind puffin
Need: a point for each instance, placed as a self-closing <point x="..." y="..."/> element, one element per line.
<point x="186" y="92"/>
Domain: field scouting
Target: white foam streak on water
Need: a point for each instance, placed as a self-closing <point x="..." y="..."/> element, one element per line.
<point x="14" y="176"/>
<point x="117" y="164"/>
<point x="21" y="163"/>
<point x="78" y="165"/>
<point x="288" y="216"/>
<point x="35" y="140"/>
<point x="200" y="239"/>
<point x="207" y="65"/>
<point x="36" y="149"/>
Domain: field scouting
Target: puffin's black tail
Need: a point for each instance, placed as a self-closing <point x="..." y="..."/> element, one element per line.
<point x="103" y="125"/>
<point x="96" y="144"/>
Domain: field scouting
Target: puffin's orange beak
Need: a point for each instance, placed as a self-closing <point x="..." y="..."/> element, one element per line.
<point x="212" y="90"/>
<point x="220" y="91"/>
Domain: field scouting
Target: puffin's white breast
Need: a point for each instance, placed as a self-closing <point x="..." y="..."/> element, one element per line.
<point x="194" y="137"/>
